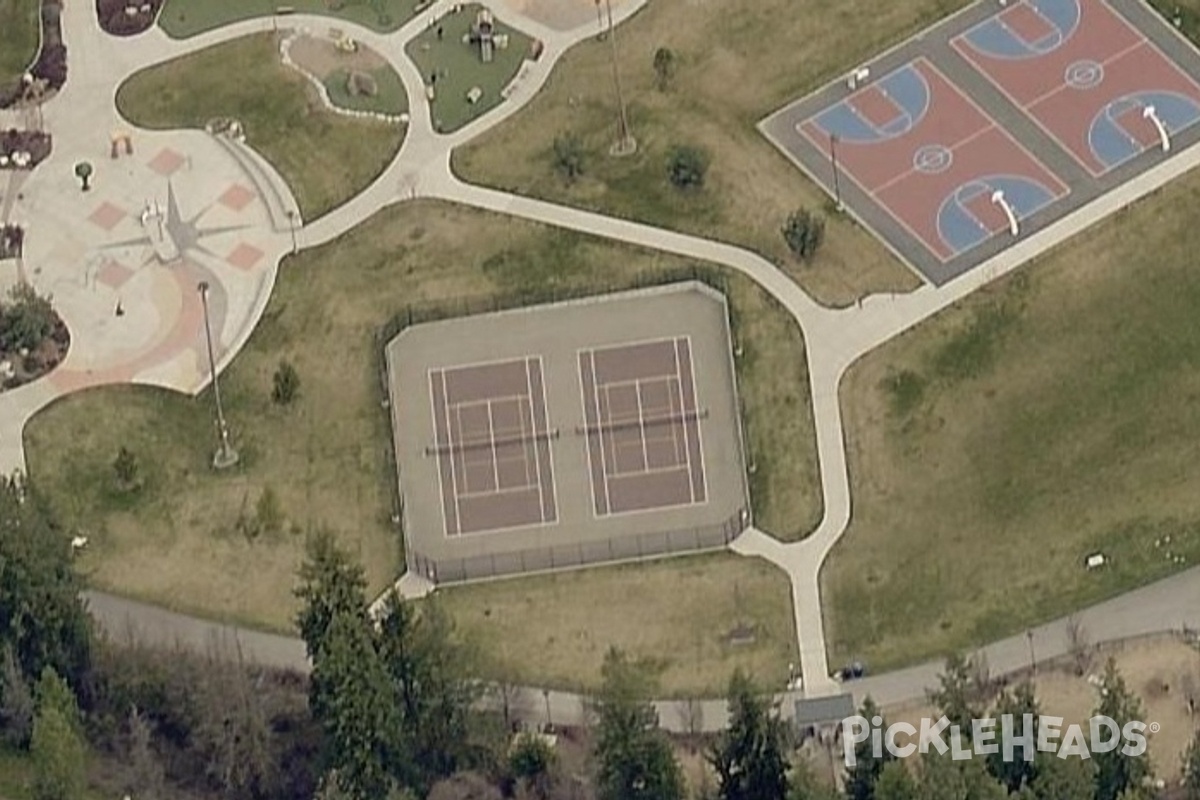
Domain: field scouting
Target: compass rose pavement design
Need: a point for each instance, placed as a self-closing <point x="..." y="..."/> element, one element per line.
<point x="123" y="261"/>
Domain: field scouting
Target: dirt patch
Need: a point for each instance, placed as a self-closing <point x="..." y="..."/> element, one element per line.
<point x="321" y="57"/>
<point x="1162" y="671"/>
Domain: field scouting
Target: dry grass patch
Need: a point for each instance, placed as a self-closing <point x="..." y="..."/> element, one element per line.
<point x="325" y="158"/>
<point x="678" y="613"/>
<point x="994" y="447"/>
<point x="186" y="539"/>
<point x="1161" y="670"/>
<point x="737" y="61"/>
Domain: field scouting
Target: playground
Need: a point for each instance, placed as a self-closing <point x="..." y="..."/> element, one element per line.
<point x="1063" y="101"/>
<point x="466" y="59"/>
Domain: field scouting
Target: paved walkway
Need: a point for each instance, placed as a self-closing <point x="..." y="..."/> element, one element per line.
<point x="834" y="339"/>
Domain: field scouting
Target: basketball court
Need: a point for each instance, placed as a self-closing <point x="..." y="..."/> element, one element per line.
<point x="563" y="435"/>
<point x="995" y="123"/>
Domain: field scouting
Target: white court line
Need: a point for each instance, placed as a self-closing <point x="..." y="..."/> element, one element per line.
<point x="441" y="485"/>
<point x="537" y="459"/>
<point x="1117" y="56"/>
<point x="641" y="424"/>
<point x="492" y="436"/>
<point x="699" y="432"/>
<point x="587" y="438"/>
<point x="450" y="441"/>
<point x="599" y="433"/>
<point x="687" y="436"/>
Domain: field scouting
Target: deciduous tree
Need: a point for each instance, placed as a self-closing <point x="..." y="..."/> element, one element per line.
<point x="1191" y="769"/>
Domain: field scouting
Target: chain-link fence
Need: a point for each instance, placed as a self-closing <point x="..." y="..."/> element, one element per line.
<point x="566" y="556"/>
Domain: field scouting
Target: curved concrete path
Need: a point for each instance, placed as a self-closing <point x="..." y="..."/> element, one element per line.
<point x="834" y="339"/>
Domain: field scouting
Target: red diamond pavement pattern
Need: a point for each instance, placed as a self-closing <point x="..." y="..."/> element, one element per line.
<point x="244" y="256"/>
<point x="236" y="197"/>
<point x="113" y="274"/>
<point x="106" y="216"/>
<point x="166" y="162"/>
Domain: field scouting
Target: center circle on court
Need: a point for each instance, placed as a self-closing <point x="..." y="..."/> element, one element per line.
<point x="1084" y="74"/>
<point x="932" y="159"/>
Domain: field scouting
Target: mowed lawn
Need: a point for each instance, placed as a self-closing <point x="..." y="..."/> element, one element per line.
<point x="18" y="37"/>
<point x="553" y="630"/>
<point x="182" y="542"/>
<point x="458" y="67"/>
<point x="737" y="61"/>
<point x="184" y="18"/>
<point x="325" y="158"/>
<point x="992" y="449"/>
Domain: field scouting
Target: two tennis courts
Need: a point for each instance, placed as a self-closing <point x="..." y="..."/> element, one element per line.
<point x="556" y="436"/>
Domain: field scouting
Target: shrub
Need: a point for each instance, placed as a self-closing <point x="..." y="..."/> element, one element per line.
<point x="27" y="320"/>
<point x="804" y="231"/>
<point x="126" y="467"/>
<point x="286" y="384"/>
<point x="568" y="156"/>
<point x="686" y="167"/>
<point x="664" y="67"/>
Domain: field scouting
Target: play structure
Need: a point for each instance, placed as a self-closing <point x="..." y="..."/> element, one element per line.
<point x="482" y="34"/>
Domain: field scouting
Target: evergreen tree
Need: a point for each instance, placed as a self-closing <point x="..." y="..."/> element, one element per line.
<point x="1056" y="778"/>
<point x="352" y="699"/>
<point x="862" y="777"/>
<point x="749" y="758"/>
<point x="896" y="783"/>
<point x="634" y="761"/>
<point x="41" y="617"/>
<point x="1016" y="771"/>
<point x="1115" y="771"/>
<point x="16" y="703"/>
<point x="1191" y="769"/>
<point x="331" y="584"/>
<point x="145" y="771"/>
<point x="943" y="778"/>
<point x="57" y="746"/>
<point x="427" y="669"/>
<point x="956" y="697"/>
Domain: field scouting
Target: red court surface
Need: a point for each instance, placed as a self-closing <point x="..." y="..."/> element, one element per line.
<point x="493" y="446"/>
<point x="1100" y="68"/>
<point x="969" y="147"/>
<point x="642" y="425"/>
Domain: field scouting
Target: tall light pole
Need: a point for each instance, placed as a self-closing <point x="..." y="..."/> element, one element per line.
<point x="225" y="456"/>
<point x="291" y="215"/>
<point x="626" y="144"/>
<point x="1032" y="657"/>
<point x="837" y="184"/>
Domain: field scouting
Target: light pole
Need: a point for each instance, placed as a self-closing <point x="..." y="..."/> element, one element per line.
<point x="549" y="722"/>
<point x="291" y="215"/>
<point x="837" y="184"/>
<point x="599" y="19"/>
<point x="225" y="456"/>
<point x="1032" y="657"/>
<point x="626" y="144"/>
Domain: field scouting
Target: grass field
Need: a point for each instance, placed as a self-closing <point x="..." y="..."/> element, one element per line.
<point x="554" y="630"/>
<point x="1049" y="417"/>
<point x="325" y="158"/>
<point x="738" y="60"/>
<point x="18" y="37"/>
<point x="459" y="68"/>
<point x="391" y="99"/>
<point x="184" y="18"/>
<point x="178" y="542"/>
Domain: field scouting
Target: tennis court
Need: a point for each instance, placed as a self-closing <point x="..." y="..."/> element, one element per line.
<point x="642" y="426"/>
<point x="597" y="430"/>
<point x="492" y="446"/>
